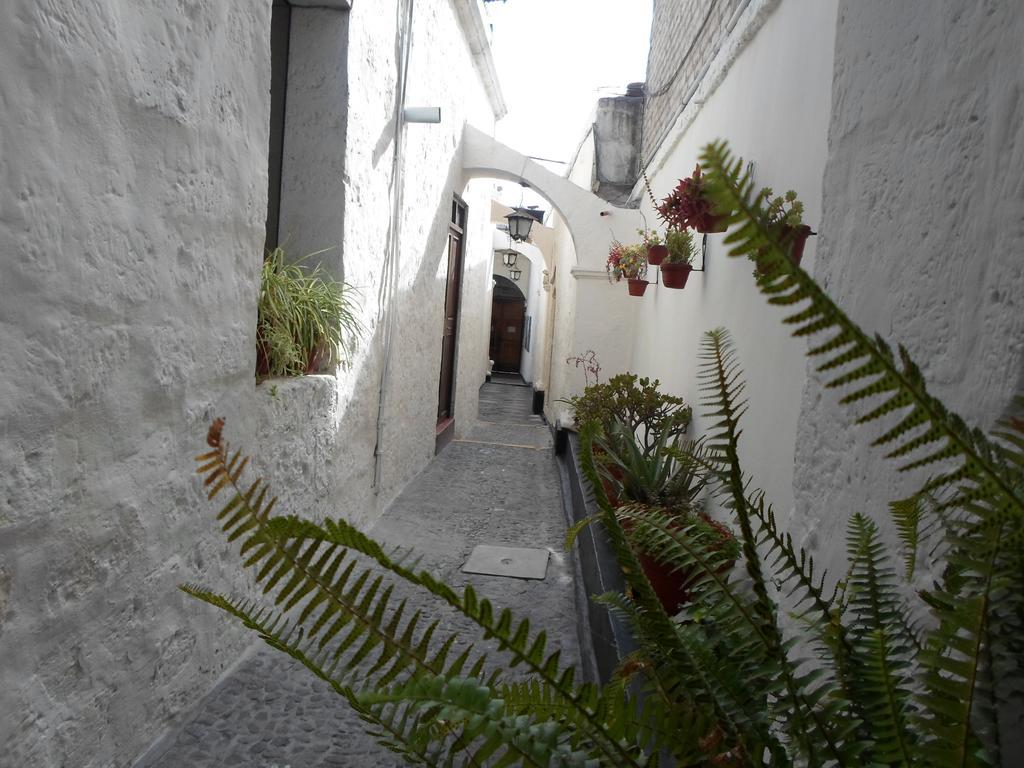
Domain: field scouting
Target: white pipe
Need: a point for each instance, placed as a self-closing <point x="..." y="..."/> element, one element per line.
<point x="422" y="114"/>
<point x="389" y="282"/>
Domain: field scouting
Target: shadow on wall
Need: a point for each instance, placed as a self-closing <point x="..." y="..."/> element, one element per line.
<point x="317" y="436"/>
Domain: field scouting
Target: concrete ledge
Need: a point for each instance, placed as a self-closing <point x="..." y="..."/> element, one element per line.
<point x="296" y="441"/>
<point x="338" y="5"/>
<point x="611" y="637"/>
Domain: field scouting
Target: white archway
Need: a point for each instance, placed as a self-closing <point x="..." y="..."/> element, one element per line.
<point x="592" y="222"/>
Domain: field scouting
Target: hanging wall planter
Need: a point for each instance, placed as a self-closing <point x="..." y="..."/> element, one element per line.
<point x="798" y="236"/>
<point x="656" y="254"/>
<point x="784" y="218"/>
<point x="674" y="275"/>
<point x="689" y="206"/>
<point x="637" y="287"/>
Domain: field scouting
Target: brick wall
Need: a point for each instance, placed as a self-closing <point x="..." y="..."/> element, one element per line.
<point x="673" y="65"/>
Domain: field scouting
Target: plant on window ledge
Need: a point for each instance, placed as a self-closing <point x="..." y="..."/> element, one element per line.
<point x="306" y="322"/>
<point x="725" y="684"/>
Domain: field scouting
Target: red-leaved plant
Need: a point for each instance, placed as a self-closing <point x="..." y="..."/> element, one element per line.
<point x="689" y="206"/>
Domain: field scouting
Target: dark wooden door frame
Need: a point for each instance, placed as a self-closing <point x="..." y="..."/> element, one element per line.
<point x="500" y="320"/>
<point x="448" y="377"/>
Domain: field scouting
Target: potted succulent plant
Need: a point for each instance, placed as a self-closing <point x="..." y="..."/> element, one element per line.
<point x="689" y="205"/>
<point x="784" y="217"/>
<point x="656" y="250"/>
<point x="306" y="322"/>
<point x="678" y="264"/>
<point x="630" y="262"/>
<point x="660" y="478"/>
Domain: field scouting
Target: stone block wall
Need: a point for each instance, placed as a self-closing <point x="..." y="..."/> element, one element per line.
<point x="685" y="36"/>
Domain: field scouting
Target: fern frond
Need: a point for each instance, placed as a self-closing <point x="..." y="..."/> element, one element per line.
<point x="525" y="648"/>
<point x="286" y="636"/>
<point x="659" y="629"/>
<point x="882" y="654"/>
<point x="482" y="716"/>
<point x="927" y="430"/>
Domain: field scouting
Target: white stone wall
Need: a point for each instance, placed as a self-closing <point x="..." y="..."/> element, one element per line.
<point x="133" y="181"/>
<point x="772" y="104"/>
<point x="441" y="74"/>
<point x="313" y="167"/>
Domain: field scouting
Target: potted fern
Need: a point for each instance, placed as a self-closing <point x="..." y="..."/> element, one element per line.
<point x="656" y="250"/>
<point x="306" y="322"/>
<point x="691" y="206"/>
<point x="678" y="264"/>
<point x="630" y="262"/>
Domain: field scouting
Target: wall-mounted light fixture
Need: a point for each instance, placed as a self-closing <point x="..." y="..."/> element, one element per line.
<point x="519" y="225"/>
<point x="422" y="114"/>
<point x="508" y="256"/>
<point x="515" y="274"/>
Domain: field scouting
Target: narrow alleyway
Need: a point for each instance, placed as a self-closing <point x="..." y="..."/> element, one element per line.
<point x="497" y="486"/>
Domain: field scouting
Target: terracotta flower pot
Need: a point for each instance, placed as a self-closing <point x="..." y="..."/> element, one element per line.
<point x="637" y="287"/>
<point x="709" y="223"/>
<point x="672" y="585"/>
<point x="796" y="238"/>
<point x="674" y="275"/>
<point x="316" y="359"/>
<point x="262" y="359"/>
<point x="656" y="254"/>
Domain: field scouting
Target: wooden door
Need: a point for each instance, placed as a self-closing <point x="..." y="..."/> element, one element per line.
<point x="507" y="334"/>
<point x="453" y="289"/>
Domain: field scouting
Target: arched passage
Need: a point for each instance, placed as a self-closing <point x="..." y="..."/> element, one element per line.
<point x="592" y="222"/>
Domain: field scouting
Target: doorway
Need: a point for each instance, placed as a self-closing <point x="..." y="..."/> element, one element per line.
<point x="453" y="289"/>
<point x="508" y="311"/>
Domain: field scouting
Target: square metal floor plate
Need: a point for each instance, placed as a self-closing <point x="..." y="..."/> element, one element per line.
<point x="517" y="562"/>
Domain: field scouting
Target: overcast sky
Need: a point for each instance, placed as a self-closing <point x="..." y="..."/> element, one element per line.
<point x="555" y="58"/>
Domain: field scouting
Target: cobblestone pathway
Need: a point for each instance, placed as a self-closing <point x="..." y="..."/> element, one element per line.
<point x="500" y="486"/>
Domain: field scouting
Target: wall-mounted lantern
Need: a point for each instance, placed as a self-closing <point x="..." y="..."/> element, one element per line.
<point x="519" y="225"/>
<point x="515" y="274"/>
<point x="508" y="256"/>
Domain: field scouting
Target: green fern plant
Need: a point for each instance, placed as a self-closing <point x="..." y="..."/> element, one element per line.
<point x="725" y="682"/>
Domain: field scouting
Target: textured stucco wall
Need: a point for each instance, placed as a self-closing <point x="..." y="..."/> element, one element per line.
<point x="923" y="230"/>
<point x="339" y="442"/>
<point x="313" y="161"/>
<point x="133" y="161"/>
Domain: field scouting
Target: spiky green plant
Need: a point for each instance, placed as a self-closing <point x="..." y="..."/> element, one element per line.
<point x="725" y="682"/>
<point x="305" y="321"/>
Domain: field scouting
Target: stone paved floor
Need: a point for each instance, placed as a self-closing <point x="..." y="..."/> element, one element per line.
<point x="500" y="486"/>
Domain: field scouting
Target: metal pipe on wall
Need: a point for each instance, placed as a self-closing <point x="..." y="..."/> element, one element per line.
<point x="389" y="283"/>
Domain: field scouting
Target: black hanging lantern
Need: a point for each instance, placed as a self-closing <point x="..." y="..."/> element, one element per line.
<point x="515" y="274"/>
<point x="519" y="225"/>
<point x="508" y="256"/>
